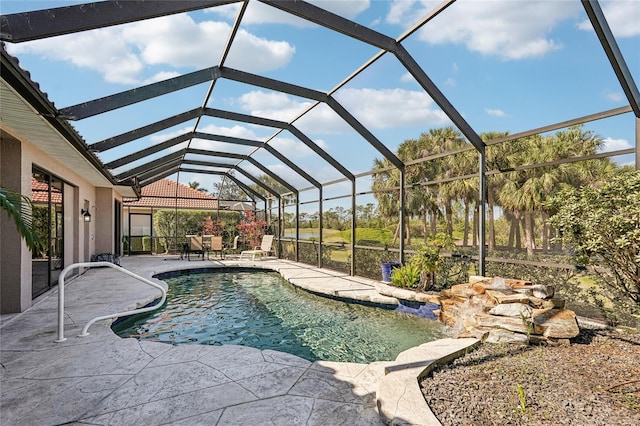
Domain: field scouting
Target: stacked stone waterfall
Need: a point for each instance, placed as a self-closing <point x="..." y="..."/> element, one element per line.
<point x="506" y="310"/>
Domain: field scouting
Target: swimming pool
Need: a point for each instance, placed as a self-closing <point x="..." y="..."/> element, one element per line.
<point x="260" y="309"/>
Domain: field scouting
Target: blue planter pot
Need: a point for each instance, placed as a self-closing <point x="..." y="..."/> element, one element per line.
<point x="387" y="270"/>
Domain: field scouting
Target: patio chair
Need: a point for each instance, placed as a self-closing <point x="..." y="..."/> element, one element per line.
<point x="196" y="246"/>
<point x="215" y="244"/>
<point x="263" y="250"/>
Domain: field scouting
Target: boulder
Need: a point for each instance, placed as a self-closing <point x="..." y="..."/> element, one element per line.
<point x="467" y="290"/>
<point x="546" y="304"/>
<point x="519" y="325"/>
<point x="509" y="298"/>
<point x="542" y="291"/>
<point x="518" y="310"/>
<point x="510" y="282"/>
<point x="505" y="336"/>
<point x="525" y="290"/>
<point x="556" y="323"/>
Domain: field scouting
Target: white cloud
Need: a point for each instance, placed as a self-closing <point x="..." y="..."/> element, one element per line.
<point x="236" y="131"/>
<point x="611" y="144"/>
<point x="407" y="78"/>
<point x="389" y="108"/>
<point x="102" y="50"/>
<point x="274" y="105"/>
<point x="451" y="82"/>
<point x="121" y="54"/>
<point x="293" y="148"/>
<point x="495" y="112"/>
<point x="506" y="29"/>
<point x="163" y="75"/>
<point x="260" y="13"/>
<point x="615" y="96"/>
<point x="322" y="120"/>
<point x="623" y="18"/>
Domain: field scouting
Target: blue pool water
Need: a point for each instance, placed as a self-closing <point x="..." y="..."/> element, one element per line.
<point x="260" y="309"/>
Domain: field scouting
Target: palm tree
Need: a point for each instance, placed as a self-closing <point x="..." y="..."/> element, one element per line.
<point x="440" y="141"/>
<point x="525" y="191"/>
<point x="463" y="190"/>
<point x="18" y="207"/>
<point x="386" y="182"/>
<point x="497" y="157"/>
<point x="196" y="185"/>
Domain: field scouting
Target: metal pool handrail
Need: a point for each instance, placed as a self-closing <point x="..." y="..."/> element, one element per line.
<point x="84" y="333"/>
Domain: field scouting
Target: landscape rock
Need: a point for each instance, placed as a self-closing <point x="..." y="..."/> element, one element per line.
<point x="519" y="310"/>
<point x="519" y="325"/>
<point x="556" y="323"/>
<point x="484" y="305"/>
<point x="506" y="336"/>
<point x="546" y="304"/>
<point x="510" y="298"/>
<point x="543" y="291"/>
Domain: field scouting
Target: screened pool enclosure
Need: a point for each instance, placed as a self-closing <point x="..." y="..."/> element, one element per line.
<point x="357" y="128"/>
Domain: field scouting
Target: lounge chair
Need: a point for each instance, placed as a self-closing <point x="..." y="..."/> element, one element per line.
<point x="263" y="250"/>
<point x="234" y="247"/>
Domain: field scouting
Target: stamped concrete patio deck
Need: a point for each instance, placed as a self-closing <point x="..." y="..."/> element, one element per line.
<point x="103" y="379"/>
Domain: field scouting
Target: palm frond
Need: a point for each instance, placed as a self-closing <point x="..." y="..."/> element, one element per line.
<point x="18" y="207"/>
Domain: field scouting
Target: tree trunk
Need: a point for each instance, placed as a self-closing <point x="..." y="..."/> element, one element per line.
<point x="395" y="234"/>
<point x="434" y="223"/>
<point x="530" y="242"/>
<point x="476" y="227"/>
<point x="513" y="223"/>
<point x="492" y="230"/>
<point x="408" y="228"/>
<point x="448" y="208"/>
<point x="518" y="222"/>
<point x="425" y="226"/>
<point x="545" y="233"/>
<point x="465" y="237"/>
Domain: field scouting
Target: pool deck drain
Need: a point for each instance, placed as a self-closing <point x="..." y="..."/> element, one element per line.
<point x="102" y="379"/>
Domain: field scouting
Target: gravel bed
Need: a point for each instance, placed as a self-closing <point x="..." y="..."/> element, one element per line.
<point x="593" y="380"/>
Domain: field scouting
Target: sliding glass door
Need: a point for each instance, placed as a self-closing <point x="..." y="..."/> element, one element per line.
<point x="47" y="195"/>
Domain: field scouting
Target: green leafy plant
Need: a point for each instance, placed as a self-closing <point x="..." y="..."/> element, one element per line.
<point x="18" y="207"/>
<point x="407" y="276"/>
<point x="429" y="258"/>
<point x="522" y="399"/>
<point x="601" y="223"/>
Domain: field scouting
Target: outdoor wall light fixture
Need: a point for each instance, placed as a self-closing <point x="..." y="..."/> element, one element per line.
<point x="86" y="215"/>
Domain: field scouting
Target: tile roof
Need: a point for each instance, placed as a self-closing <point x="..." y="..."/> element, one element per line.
<point x="162" y="194"/>
<point x="40" y="193"/>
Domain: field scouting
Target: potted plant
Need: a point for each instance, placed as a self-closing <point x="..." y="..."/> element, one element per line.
<point x="424" y="264"/>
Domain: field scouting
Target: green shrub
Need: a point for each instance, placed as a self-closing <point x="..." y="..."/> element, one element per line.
<point x="406" y="276"/>
<point x="601" y="224"/>
<point x="146" y="243"/>
<point x="429" y="258"/>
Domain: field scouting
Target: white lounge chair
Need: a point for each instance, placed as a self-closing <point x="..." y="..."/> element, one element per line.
<point x="263" y="250"/>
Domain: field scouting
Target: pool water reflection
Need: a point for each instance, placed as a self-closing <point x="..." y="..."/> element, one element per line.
<point x="260" y="309"/>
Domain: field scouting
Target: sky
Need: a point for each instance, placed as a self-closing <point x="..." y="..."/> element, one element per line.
<point x="504" y="65"/>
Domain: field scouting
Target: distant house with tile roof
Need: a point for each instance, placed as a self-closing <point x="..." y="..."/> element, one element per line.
<point x="163" y="194"/>
<point x="167" y="194"/>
